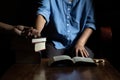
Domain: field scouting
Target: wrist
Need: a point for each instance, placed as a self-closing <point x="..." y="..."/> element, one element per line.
<point x="17" y="31"/>
<point x="81" y="42"/>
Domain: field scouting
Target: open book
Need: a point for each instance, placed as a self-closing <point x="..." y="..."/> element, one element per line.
<point x="39" y="43"/>
<point x="65" y="60"/>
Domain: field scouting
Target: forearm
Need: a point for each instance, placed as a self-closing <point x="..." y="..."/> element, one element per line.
<point x="40" y="23"/>
<point x="85" y="35"/>
<point x="6" y="26"/>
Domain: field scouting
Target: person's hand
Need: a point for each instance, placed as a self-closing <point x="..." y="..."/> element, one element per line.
<point x="27" y="32"/>
<point x="80" y="49"/>
<point x="23" y="30"/>
<point x="35" y="33"/>
<point x="18" y="29"/>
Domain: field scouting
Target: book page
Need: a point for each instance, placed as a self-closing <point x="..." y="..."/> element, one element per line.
<point x="61" y="60"/>
<point x="39" y="46"/>
<point x="61" y="57"/>
<point x="82" y="59"/>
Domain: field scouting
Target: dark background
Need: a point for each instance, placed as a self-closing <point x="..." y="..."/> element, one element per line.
<point x="18" y="11"/>
<point x="23" y="12"/>
<point x="14" y="12"/>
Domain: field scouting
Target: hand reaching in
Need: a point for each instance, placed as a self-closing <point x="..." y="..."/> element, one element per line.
<point x="23" y="31"/>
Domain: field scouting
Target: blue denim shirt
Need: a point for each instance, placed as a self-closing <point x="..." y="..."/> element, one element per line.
<point x="67" y="19"/>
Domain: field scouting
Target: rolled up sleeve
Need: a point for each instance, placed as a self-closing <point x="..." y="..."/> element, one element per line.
<point x="90" y="20"/>
<point x="44" y="9"/>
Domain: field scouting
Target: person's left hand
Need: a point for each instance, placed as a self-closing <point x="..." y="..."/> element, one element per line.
<point x="80" y="49"/>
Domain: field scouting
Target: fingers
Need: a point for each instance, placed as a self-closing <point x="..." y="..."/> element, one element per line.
<point x="20" y="27"/>
<point x="28" y="32"/>
<point x="17" y="31"/>
<point x="83" y="52"/>
<point x="77" y="52"/>
<point x="35" y="33"/>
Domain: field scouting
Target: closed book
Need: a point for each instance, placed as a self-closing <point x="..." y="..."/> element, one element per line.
<point x="39" y="44"/>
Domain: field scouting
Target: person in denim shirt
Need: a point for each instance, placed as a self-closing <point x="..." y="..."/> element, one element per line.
<point x="67" y="24"/>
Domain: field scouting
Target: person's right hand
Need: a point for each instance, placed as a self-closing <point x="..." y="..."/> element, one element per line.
<point x="27" y="32"/>
<point x="18" y="29"/>
<point x="24" y="31"/>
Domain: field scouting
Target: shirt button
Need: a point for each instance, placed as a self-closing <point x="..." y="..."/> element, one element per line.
<point x="68" y="31"/>
<point x="69" y="9"/>
<point x="68" y="17"/>
<point x="69" y="2"/>
<point x="67" y="24"/>
<point x="68" y="38"/>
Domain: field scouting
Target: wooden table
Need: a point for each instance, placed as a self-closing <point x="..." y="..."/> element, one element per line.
<point x="43" y="72"/>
